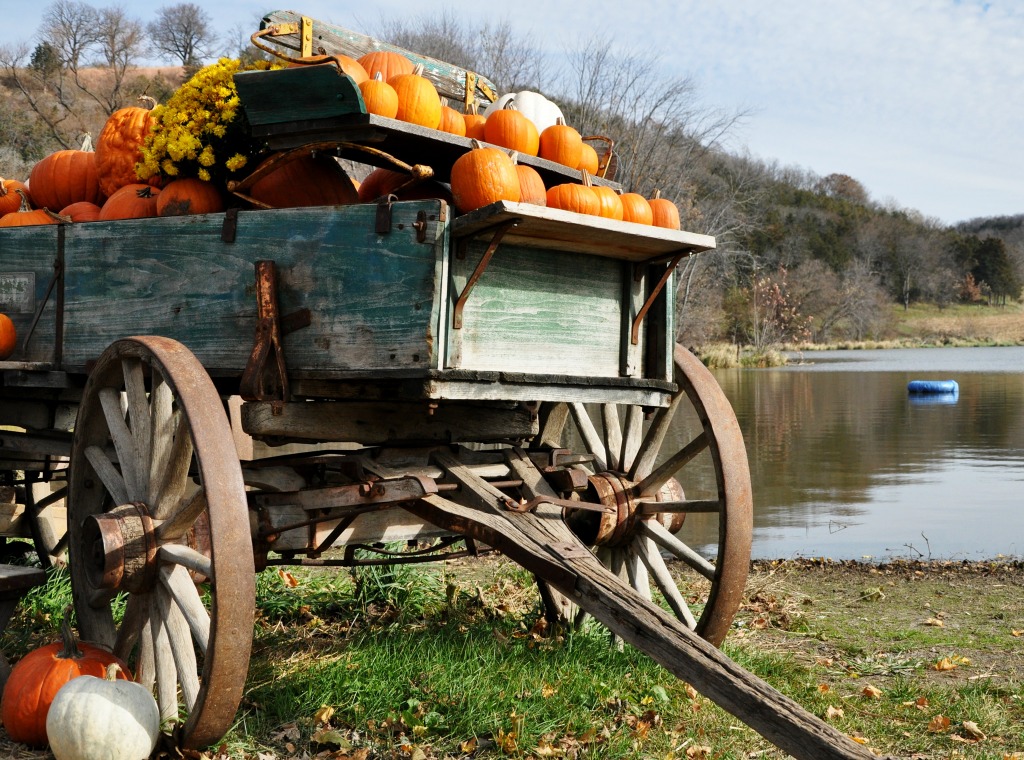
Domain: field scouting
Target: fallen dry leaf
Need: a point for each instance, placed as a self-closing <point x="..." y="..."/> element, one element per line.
<point x="873" y="692"/>
<point x="547" y="690"/>
<point x="824" y="687"/>
<point x="834" y="712"/>
<point x="934" y="622"/>
<point x="698" y="752"/>
<point x="324" y="714"/>
<point x="859" y="739"/>
<point x="289" y="580"/>
<point x="944" y="664"/>
<point x="469" y="746"/>
<point x="938" y="724"/>
<point x="972" y="730"/>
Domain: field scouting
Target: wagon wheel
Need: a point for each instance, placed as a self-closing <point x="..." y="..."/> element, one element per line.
<point x="157" y="512"/>
<point x="676" y="501"/>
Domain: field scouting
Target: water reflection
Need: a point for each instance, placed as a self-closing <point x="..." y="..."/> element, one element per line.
<point x="846" y="464"/>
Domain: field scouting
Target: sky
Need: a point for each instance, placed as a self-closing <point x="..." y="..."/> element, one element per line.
<point x="922" y="101"/>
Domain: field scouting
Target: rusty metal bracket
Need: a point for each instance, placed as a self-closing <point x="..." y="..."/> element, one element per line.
<point x="270" y="328"/>
<point x="528" y="506"/>
<point x="642" y="314"/>
<point x="58" y="276"/>
<point x="481" y="266"/>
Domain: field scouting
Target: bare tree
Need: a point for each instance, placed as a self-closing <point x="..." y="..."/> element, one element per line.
<point x="492" y="50"/>
<point x="184" y="33"/>
<point x="659" y="126"/>
<point x="82" y="70"/>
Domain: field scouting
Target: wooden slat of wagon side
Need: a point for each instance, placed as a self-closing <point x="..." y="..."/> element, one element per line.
<point x="373" y="298"/>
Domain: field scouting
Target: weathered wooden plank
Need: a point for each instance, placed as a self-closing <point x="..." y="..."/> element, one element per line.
<point x="372" y="297"/>
<point x="26" y="270"/>
<point x="545" y="545"/>
<point x="374" y="423"/>
<point x="531" y="311"/>
<point x="449" y="80"/>
<point x="557" y="229"/>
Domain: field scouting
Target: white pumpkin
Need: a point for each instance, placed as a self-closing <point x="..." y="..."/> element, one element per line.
<point x="94" y="718"/>
<point x="534" y="106"/>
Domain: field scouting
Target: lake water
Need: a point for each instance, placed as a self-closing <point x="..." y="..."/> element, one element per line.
<point x="846" y="464"/>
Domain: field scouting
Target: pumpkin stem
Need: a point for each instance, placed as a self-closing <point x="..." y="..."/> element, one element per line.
<point x="657" y="194"/>
<point x="111" y="671"/>
<point x="70" y="650"/>
<point x="87" y="143"/>
<point x="25" y="205"/>
<point x="585" y="178"/>
<point x="148" y="100"/>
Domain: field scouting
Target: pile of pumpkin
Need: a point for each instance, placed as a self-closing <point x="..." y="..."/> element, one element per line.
<point x="524" y="123"/>
<point x="78" y="699"/>
<point x="81" y="185"/>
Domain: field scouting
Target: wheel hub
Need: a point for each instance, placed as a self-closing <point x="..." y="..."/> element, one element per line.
<point x="617" y="525"/>
<point x="121" y="548"/>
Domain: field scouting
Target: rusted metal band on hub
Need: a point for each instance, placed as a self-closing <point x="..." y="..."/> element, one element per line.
<point x="123" y="548"/>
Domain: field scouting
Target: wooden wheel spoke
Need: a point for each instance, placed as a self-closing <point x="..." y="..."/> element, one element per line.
<point x="555" y="418"/>
<point x="135" y="617"/>
<point x="124" y="442"/>
<point x="187" y="557"/>
<point x="612" y="434"/>
<point x="145" y="666"/>
<point x="661" y="536"/>
<point x="651" y="556"/>
<point x="588" y="432"/>
<point x="633" y="437"/>
<point x="183" y="591"/>
<point x="138" y="418"/>
<point x="181" y="518"/>
<point x="639" y="578"/>
<point x="654" y="482"/>
<point x="109" y="475"/>
<point x="169" y="480"/>
<point x="182" y="651"/>
<point x="166" y="670"/>
<point x="651" y="446"/>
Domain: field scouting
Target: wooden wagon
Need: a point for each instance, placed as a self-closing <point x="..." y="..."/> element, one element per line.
<point x="374" y="383"/>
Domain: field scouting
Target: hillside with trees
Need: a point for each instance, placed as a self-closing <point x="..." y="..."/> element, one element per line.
<point x="800" y="256"/>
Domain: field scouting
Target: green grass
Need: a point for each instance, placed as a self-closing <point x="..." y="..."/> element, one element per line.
<point x="449" y="662"/>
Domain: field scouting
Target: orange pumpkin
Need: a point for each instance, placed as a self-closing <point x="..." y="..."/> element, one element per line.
<point x="589" y="160"/>
<point x="26" y="216"/>
<point x="531" y="186"/>
<point x="611" y="203"/>
<point x="118" y="148"/>
<point x="379" y="97"/>
<point x="382" y="182"/>
<point x="510" y="129"/>
<point x="8" y="337"/>
<point x="635" y="208"/>
<point x="37" y="677"/>
<point x="475" y="122"/>
<point x="65" y="177"/>
<point x="353" y="68"/>
<point x="189" y="195"/>
<point x="135" y="201"/>
<point x="10" y="201"/>
<point x="309" y="180"/>
<point x="482" y="176"/>
<point x="572" y="196"/>
<point x="83" y="211"/>
<point x="452" y="121"/>
<point x="418" y="101"/>
<point x="387" y="63"/>
<point x="664" y="212"/>
<point x="562" y="144"/>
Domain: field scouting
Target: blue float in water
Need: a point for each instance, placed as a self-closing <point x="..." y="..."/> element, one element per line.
<point x="933" y="386"/>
